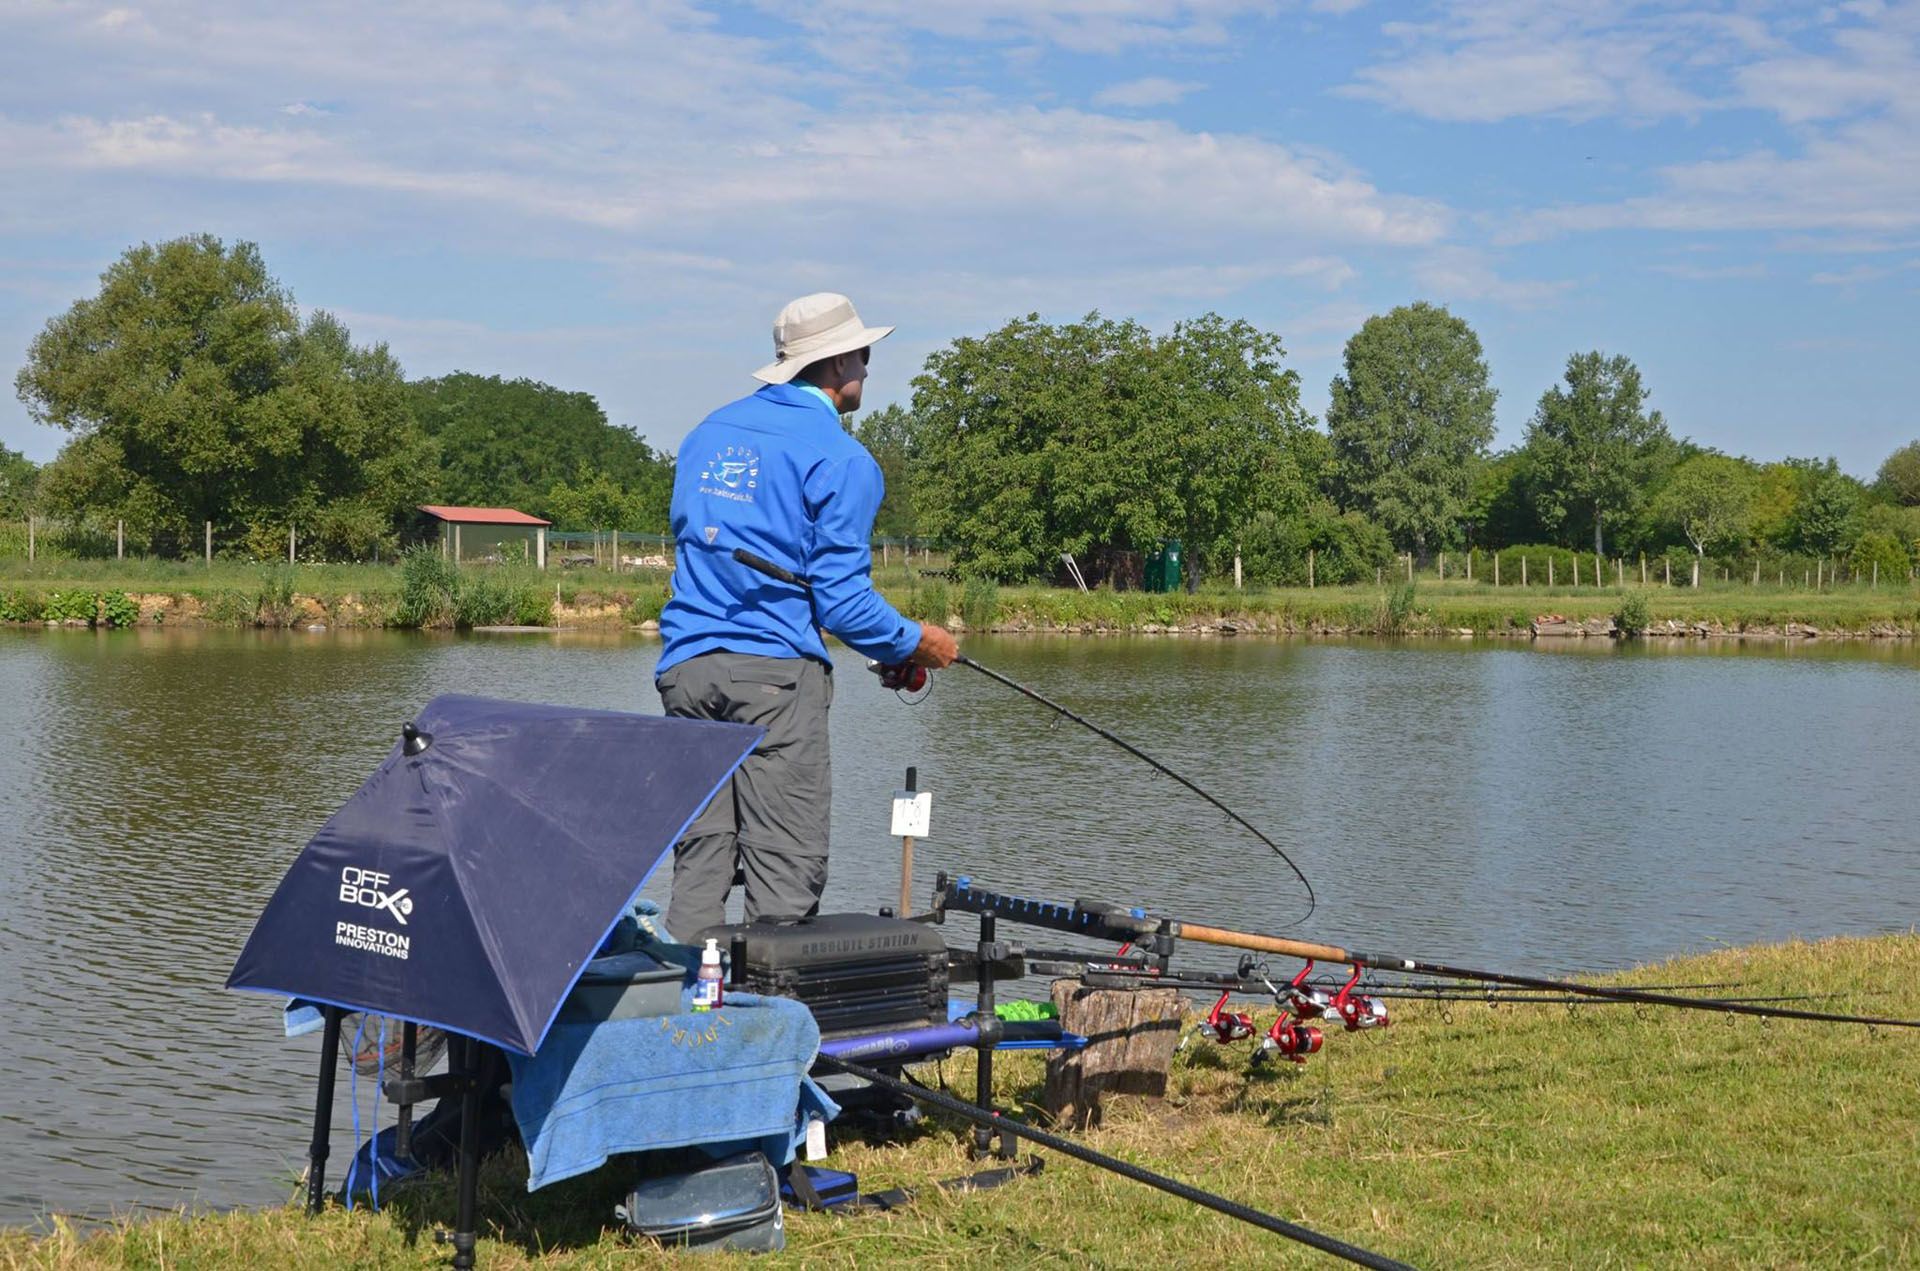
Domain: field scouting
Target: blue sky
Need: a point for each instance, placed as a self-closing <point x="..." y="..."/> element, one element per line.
<point x="617" y="197"/>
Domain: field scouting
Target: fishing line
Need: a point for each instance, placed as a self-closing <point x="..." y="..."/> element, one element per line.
<point x="782" y="574"/>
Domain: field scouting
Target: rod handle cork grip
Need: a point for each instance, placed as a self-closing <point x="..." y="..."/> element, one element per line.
<point x="1264" y="944"/>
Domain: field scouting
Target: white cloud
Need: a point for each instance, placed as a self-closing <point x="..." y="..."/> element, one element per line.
<point x="1710" y="273"/>
<point x="1452" y="274"/>
<point x="1152" y="90"/>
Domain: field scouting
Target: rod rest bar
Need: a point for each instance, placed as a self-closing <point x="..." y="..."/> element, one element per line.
<point x="409" y="1090"/>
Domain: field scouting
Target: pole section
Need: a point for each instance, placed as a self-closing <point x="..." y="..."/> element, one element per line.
<point x="323" y="1110"/>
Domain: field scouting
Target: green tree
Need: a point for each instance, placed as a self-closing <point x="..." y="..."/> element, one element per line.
<point x="508" y="443"/>
<point x="1826" y="517"/>
<point x="195" y="394"/>
<point x="1011" y="426"/>
<point x="593" y="501"/>
<point x="1217" y="443"/>
<point x="1094" y="435"/>
<point x="1709" y="498"/>
<point x="888" y="435"/>
<point x="18" y="476"/>
<point x="1899" y="478"/>
<point x="1593" y="449"/>
<point x="1410" y="419"/>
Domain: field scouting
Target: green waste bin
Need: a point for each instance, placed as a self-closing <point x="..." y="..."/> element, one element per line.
<point x="1153" y="577"/>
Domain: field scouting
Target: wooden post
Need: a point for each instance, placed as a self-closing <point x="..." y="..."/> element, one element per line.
<point x="292" y="541"/>
<point x="1131" y="1035"/>
<point x="1409" y="566"/>
<point x="1236" y="568"/>
<point x="1469" y="564"/>
<point x="1496" y="569"/>
<point x="885" y="559"/>
<point x="1576" y="569"/>
<point x="1599" y="571"/>
<point x="1818" y="565"/>
<point x="209" y="544"/>
<point x="456" y="542"/>
<point x="30" y="540"/>
<point x="119" y="540"/>
<point x="1549" y="571"/>
<point x="616" y="551"/>
<point x="906" y="855"/>
<point x="1876" y="575"/>
<point x="1666" y="567"/>
<point x="1309" y="569"/>
<point x="1443" y="567"/>
<point x="1643" y="569"/>
<point x="1523" y="571"/>
<point x="541" y="545"/>
<point x="1619" y="572"/>
<point x="1376" y="575"/>
<point x="1756" y="572"/>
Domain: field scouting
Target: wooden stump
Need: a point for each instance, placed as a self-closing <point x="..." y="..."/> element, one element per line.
<point x="1130" y="1036"/>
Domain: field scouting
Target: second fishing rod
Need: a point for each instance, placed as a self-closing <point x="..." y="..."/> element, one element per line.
<point x="893" y="678"/>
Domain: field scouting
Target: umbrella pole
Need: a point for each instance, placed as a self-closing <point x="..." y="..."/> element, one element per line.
<point x="463" y="1230"/>
<point x="323" y="1110"/>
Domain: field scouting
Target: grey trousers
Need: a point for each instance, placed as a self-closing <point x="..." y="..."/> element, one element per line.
<point x="771" y="820"/>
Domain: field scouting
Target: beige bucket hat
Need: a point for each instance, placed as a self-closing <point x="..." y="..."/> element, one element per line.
<point x="812" y="328"/>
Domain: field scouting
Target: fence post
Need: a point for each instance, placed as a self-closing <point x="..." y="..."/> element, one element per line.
<point x="119" y="540"/>
<point x="209" y="544"/>
<point x="1496" y="569"/>
<point x="1876" y="575"/>
<point x="1469" y="564"/>
<point x="1523" y="571"/>
<point x="1817" y="567"/>
<point x="1549" y="571"/>
<point x="1619" y="572"/>
<point x="1576" y="569"/>
<point x="1443" y="567"/>
<point x="1666" y="570"/>
<point x="292" y="541"/>
<point x="1236" y="578"/>
<point x="30" y="542"/>
<point x="616" y="549"/>
<point x="1643" y="569"/>
<point x="456" y="542"/>
<point x="1309" y="568"/>
<point x="1409" y="566"/>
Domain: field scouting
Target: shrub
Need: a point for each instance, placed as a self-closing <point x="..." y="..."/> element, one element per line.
<point x="647" y="604"/>
<point x="1397" y="614"/>
<point x="232" y="608"/>
<point x="274" y="604"/>
<point x="532" y="605"/>
<point x="1877" y="548"/>
<point x="929" y="602"/>
<point x="980" y="603"/>
<point x="21" y="606"/>
<point x="429" y="590"/>
<point x="483" y="600"/>
<point x="117" y="609"/>
<point x="72" y="606"/>
<point x="1632" y="617"/>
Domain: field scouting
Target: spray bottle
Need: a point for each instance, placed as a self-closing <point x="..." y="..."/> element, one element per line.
<point x="706" y="986"/>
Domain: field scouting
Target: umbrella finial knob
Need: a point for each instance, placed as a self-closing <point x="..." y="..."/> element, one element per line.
<point x="413" y="741"/>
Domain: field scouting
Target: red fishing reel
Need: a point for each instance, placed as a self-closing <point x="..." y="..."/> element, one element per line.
<point x="1290" y="1040"/>
<point x="1228" y="1026"/>
<point x="902" y="677"/>
<point x="1304" y="999"/>
<point x="1356" y="1010"/>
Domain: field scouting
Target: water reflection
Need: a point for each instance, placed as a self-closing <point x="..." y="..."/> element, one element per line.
<point x="1559" y="806"/>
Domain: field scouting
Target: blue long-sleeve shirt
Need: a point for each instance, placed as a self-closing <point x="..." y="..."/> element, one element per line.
<point x="775" y="473"/>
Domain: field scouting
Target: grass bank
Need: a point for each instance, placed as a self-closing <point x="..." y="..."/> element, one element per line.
<point x="119" y="593"/>
<point x="1473" y="1136"/>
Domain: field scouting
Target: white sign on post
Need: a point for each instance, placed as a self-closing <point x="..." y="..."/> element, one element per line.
<point x="912" y="813"/>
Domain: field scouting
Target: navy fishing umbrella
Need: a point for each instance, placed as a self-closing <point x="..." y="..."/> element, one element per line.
<point x="466" y="884"/>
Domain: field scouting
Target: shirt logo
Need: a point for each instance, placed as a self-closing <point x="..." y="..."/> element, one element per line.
<point x="733" y="473"/>
<point x="712" y="532"/>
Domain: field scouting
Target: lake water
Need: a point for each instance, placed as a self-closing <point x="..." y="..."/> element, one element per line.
<point x="1585" y="807"/>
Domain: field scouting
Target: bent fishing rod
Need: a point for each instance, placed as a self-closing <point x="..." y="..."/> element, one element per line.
<point x="1103" y="921"/>
<point x="782" y="574"/>
<point x="993" y="1119"/>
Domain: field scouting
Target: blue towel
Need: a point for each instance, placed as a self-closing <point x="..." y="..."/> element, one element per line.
<point x="725" y="1081"/>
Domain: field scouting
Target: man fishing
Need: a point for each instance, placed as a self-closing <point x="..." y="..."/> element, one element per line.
<point x="776" y="474"/>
